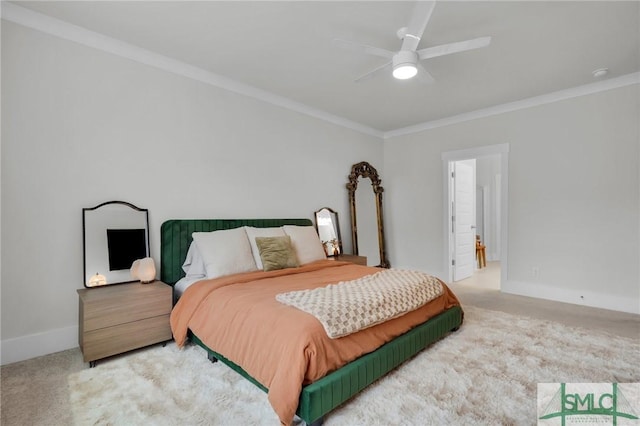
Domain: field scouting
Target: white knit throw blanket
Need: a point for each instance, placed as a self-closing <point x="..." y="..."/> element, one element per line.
<point x="349" y="306"/>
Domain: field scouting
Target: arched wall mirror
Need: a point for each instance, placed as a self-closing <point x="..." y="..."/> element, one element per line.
<point x="365" y="203"/>
<point x="329" y="230"/>
<point x="116" y="233"/>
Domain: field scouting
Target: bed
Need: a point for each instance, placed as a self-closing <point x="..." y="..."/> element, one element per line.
<point x="325" y="383"/>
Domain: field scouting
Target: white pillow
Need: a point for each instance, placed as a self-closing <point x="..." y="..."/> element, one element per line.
<point x="193" y="264"/>
<point x="252" y="233"/>
<point x="225" y="252"/>
<point x="306" y="243"/>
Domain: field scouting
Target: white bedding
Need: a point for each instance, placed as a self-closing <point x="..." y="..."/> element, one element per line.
<point x="183" y="284"/>
<point x="212" y="254"/>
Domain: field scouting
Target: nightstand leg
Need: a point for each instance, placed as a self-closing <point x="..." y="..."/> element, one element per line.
<point x="92" y="364"/>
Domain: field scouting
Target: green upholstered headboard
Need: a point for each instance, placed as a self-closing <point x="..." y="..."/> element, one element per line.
<point x="175" y="238"/>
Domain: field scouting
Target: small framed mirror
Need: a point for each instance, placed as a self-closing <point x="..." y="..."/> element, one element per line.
<point x="328" y="228"/>
<point x="116" y="234"/>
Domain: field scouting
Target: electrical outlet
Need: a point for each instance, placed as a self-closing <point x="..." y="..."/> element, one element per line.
<point x="535" y="271"/>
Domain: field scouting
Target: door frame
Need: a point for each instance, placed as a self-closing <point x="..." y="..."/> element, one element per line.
<point x="466" y="154"/>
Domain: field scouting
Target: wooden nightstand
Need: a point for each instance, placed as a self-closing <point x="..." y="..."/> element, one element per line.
<point x="119" y="318"/>
<point x="353" y="258"/>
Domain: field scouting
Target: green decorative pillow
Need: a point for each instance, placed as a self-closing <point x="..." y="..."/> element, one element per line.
<point x="276" y="253"/>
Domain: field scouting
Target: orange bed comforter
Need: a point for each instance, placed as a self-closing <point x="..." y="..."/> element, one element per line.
<point x="282" y="347"/>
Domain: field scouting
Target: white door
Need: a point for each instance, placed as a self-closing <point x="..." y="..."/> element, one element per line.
<point x="464" y="216"/>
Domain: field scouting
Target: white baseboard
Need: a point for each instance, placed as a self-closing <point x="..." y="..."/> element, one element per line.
<point x="576" y="297"/>
<point x="34" y="345"/>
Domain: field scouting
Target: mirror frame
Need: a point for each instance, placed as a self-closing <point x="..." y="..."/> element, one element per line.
<point x="336" y="228"/>
<point x="88" y="241"/>
<point x="366" y="170"/>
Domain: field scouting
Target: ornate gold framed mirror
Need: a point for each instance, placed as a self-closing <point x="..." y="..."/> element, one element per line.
<point x="362" y="213"/>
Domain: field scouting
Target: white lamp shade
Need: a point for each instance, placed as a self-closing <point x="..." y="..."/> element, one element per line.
<point x="97" y="279"/>
<point x="144" y="270"/>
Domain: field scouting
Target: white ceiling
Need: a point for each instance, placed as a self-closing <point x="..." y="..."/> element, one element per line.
<point x="287" y="48"/>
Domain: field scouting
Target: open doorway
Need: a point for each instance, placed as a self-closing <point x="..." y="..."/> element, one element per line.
<point x="475" y="207"/>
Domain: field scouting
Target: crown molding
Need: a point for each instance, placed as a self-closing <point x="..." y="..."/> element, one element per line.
<point x="38" y="21"/>
<point x="574" y="92"/>
<point x="56" y="27"/>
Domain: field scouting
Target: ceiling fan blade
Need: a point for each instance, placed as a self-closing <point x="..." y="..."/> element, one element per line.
<point x="424" y="76"/>
<point x="419" y="20"/>
<point x="447" y="49"/>
<point x="371" y="50"/>
<point x="373" y="72"/>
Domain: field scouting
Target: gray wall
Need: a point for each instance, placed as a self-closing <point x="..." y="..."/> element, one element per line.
<point x="81" y="126"/>
<point x="573" y="197"/>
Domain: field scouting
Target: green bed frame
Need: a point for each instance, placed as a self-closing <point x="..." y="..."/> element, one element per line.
<point x="324" y="395"/>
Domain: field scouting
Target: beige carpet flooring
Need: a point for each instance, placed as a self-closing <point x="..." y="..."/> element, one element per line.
<point x="482" y="290"/>
<point x="484" y="374"/>
<point x="37" y="391"/>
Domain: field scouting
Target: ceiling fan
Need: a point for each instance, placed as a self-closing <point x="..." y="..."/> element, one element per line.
<point x="405" y="63"/>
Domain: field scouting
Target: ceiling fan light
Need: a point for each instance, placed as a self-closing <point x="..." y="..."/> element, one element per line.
<point x="405" y="64"/>
<point x="405" y="71"/>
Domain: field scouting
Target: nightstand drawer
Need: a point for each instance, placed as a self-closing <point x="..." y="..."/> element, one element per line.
<point x="106" y="307"/>
<point x="114" y="340"/>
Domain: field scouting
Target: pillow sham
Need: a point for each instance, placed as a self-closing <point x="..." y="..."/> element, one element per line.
<point x="306" y="243"/>
<point x="193" y="265"/>
<point x="225" y="252"/>
<point x="252" y="233"/>
<point x="276" y="253"/>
